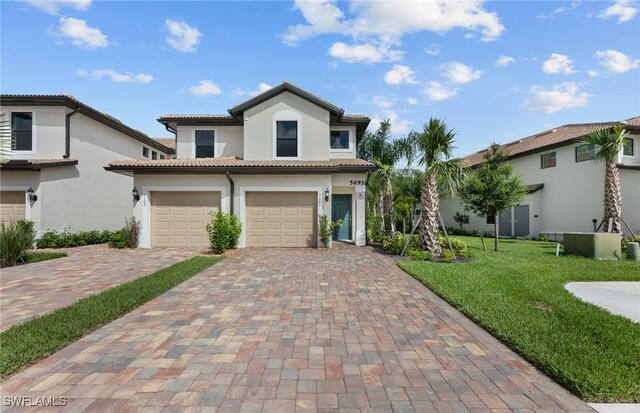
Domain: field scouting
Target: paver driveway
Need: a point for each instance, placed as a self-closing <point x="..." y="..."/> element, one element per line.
<point x="42" y="287"/>
<point x="303" y="330"/>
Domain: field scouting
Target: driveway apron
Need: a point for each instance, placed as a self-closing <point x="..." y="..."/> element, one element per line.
<point x="294" y="330"/>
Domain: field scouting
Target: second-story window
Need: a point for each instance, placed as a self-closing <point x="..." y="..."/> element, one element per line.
<point x="339" y="139"/>
<point x="548" y="160"/>
<point x="145" y="152"/>
<point x="154" y="155"/>
<point x="287" y="138"/>
<point x="21" y="131"/>
<point x="205" y="141"/>
<point x="585" y="152"/>
<point x="161" y="156"/>
<point x="627" y="147"/>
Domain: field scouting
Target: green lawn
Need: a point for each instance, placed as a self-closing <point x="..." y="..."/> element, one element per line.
<point x="518" y="295"/>
<point x="39" y="337"/>
<point x="37" y="256"/>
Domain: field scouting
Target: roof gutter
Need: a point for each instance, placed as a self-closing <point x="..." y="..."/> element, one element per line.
<point x="175" y="134"/>
<point x="231" y="191"/>
<point x="67" y="132"/>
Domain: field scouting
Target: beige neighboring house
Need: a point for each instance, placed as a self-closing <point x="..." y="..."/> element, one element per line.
<point x="278" y="161"/>
<point x="55" y="175"/>
<point x="566" y="187"/>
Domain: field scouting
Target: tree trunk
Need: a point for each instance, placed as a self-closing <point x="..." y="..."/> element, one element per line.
<point x="381" y="207"/>
<point x="496" y="228"/>
<point x="612" y="198"/>
<point x="429" y="221"/>
<point x="388" y="198"/>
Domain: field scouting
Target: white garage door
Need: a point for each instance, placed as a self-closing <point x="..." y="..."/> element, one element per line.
<point x="281" y="219"/>
<point x="12" y="206"/>
<point x="179" y="219"/>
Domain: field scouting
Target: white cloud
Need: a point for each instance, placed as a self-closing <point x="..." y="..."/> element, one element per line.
<point x="182" y="37"/>
<point x="558" y="64"/>
<point x="364" y="53"/>
<point x="376" y="27"/>
<point x="437" y="91"/>
<point x="593" y="73"/>
<point x="617" y="62"/>
<point x="262" y="87"/>
<point x="412" y="101"/>
<point x="624" y="10"/>
<point x="400" y="75"/>
<point x="460" y="73"/>
<point x="54" y="6"/>
<point x="205" y="88"/>
<point x="572" y="6"/>
<point x="115" y="76"/>
<point x="433" y="50"/>
<point x="80" y="33"/>
<point x="385" y="109"/>
<point x="504" y="61"/>
<point x="558" y="97"/>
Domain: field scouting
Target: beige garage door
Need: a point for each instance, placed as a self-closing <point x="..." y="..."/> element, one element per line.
<point x="12" y="206"/>
<point x="281" y="219"/>
<point x="179" y="219"/>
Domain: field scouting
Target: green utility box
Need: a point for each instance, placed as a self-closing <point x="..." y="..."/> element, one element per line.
<point x="633" y="251"/>
<point x="598" y="245"/>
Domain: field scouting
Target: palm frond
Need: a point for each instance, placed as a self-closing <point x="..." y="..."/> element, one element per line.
<point x="608" y="143"/>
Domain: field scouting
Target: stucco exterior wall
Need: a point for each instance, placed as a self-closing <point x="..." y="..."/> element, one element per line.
<point x="313" y="128"/>
<point x="341" y="153"/>
<point x="48" y="131"/>
<point x="228" y="141"/>
<point x="571" y="198"/>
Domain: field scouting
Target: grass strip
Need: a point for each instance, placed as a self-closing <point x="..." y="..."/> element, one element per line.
<point x="518" y="295"/>
<point x="33" y="340"/>
<point x="33" y="256"/>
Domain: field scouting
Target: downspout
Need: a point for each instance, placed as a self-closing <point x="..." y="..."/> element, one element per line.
<point x="175" y="133"/>
<point x="67" y="132"/>
<point x="231" y="192"/>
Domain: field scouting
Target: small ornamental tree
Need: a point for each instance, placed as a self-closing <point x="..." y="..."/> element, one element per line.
<point x="493" y="188"/>
<point x="461" y="219"/>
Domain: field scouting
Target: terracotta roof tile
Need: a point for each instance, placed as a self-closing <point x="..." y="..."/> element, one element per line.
<point x="35" y="164"/>
<point x="168" y="142"/>
<point x="549" y="138"/>
<point x="236" y="162"/>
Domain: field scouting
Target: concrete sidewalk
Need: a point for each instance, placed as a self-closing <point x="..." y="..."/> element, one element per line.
<point x="622" y="298"/>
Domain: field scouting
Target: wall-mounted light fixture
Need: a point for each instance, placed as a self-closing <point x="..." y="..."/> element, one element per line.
<point x="31" y="195"/>
<point x="595" y="223"/>
<point x="326" y="195"/>
<point x="136" y="195"/>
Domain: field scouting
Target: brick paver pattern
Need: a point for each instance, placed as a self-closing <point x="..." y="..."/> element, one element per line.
<point x="43" y="287"/>
<point x="294" y="330"/>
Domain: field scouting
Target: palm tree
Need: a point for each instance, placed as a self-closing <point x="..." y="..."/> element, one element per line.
<point x="408" y="188"/>
<point x="380" y="149"/>
<point x="443" y="175"/>
<point x="608" y="144"/>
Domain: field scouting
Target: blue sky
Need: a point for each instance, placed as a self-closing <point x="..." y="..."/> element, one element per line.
<point x="494" y="71"/>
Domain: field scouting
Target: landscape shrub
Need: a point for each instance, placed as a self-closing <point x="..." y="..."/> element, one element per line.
<point x="119" y="239"/>
<point x="327" y="228"/>
<point x="396" y="243"/>
<point x="375" y="229"/>
<point x="132" y="229"/>
<point x="224" y="231"/>
<point x="448" y="256"/>
<point x="15" y="239"/>
<point x="418" y="255"/>
<point x="64" y="239"/>
<point x="458" y="245"/>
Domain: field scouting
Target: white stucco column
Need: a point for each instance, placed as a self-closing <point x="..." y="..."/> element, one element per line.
<point x="360" y="214"/>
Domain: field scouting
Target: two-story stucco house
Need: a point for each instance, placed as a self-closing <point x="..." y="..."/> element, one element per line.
<point x="277" y="161"/>
<point x="566" y="187"/>
<point x="54" y="174"/>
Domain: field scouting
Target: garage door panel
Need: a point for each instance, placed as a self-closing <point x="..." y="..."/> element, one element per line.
<point x="281" y="219"/>
<point x="179" y="218"/>
<point x="12" y="206"/>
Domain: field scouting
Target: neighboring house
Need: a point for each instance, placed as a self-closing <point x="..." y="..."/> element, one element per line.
<point x="566" y="187"/>
<point x="278" y="161"/>
<point x="59" y="147"/>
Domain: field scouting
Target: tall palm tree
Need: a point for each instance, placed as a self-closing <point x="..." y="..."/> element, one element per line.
<point x="608" y="144"/>
<point x="383" y="151"/>
<point x="408" y="188"/>
<point x="433" y="148"/>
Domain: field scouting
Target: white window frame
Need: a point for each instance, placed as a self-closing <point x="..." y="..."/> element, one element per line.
<point x="34" y="133"/>
<point x="215" y="140"/>
<point x="337" y="129"/>
<point x="148" y="152"/>
<point x="291" y="116"/>
<point x="634" y="145"/>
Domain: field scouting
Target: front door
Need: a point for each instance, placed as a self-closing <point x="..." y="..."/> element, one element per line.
<point x="522" y="220"/>
<point x="504" y="223"/>
<point x="341" y="209"/>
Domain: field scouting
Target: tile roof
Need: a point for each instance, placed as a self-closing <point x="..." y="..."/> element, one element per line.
<point x="549" y="138"/>
<point x="35" y="164"/>
<point x="168" y="142"/>
<point x="231" y="161"/>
